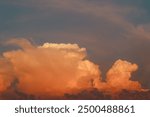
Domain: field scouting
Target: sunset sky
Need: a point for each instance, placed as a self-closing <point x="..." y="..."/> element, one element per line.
<point x="108" y="29"/>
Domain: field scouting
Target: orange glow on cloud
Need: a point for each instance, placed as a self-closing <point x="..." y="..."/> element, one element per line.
<point x="118" y="77"/>
<point x="56" y="69"/>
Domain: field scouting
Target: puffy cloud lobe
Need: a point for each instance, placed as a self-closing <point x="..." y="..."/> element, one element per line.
<point x="118" y="77"/>
<point x="56" y="69"/>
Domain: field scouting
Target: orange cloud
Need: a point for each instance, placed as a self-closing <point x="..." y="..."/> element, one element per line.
<point x="119" y="76"/>
<point x="55" y="69"/>
<point x="6" y="74"/>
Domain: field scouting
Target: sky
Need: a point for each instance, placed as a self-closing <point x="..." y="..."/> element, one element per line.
<point x="108" y="29"/>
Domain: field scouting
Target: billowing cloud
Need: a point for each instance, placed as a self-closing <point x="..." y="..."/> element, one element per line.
<point x="119" y="76"/>
<point x="57" y="69"/>
<point x="54" y="69"/>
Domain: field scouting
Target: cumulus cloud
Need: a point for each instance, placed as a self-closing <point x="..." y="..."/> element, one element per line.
<point x="119" y="76"/>
<point x="55" y="69"/>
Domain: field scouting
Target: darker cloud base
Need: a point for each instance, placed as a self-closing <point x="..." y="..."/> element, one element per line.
<point x="94" y="94"/>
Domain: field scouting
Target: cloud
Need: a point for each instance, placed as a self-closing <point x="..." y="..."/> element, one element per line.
<point x="51" y="68"/>
<point x="109" y="11"/>
<point x="55" y="69"/>
<point x="119" y="76"/>
<point x="6" y="74"/>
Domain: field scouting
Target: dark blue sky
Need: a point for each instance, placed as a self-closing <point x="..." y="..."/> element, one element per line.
<point x="109" y="29"/>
